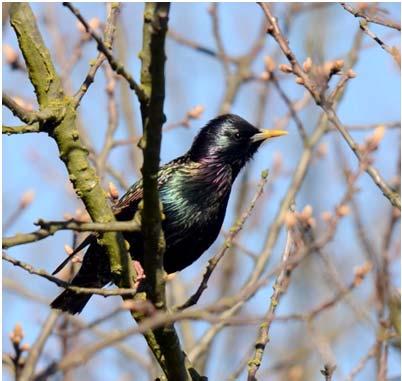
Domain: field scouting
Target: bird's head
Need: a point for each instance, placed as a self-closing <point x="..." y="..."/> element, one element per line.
<point x="230" y="140"/>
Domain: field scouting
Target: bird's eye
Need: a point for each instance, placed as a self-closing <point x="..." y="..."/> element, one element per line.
<point x="237" y="136"/>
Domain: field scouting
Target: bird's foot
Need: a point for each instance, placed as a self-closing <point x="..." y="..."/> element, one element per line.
<point x="139" y="272"/>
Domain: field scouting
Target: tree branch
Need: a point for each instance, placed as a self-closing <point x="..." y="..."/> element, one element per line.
<point x="321" y="100"/>
<point x="79" y="290"/>
<point x="392" y="196"/>
<point x="110" y="29"/>
<point x="29" y="117"/>
<point x="163" y="341"/>
<point x="275" y="228"/>
<point x="48" y="228"/>
<point x="25" y="129"/>
<point x="213" y="262"/>
<point x="51" y="97"/>
<point x="393" y="51"/>
<point x="115" y="65"/>
<point x="280" y="287"/>
<point x="36" y="350"/>
<point x="372" y="18"/>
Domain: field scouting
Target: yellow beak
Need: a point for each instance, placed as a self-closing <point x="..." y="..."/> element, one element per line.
<point x="267" y="134"/>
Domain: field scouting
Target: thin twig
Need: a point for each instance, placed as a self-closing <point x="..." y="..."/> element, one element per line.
<point x="213" y="11"/>
<point x="113" y="11"/>
<point x="314" y="89"/>
<point x="213" y="262"/>
<point x="112" y="120"/>
<point x="290" y="106"/>
<point x="48" y="228"/>
<point x="365" y="128"/>
<point x="124" y="349"/>
<point x="299" y="174"/>
<point x="371" y="18"/>
<point x="392" y="196"/>
<point x="280" y="287"/>
<point x="393" y="51"/>
<point x="37" y="348"/>
<point x="116" y="66"/>
<point x="195" y="45"/>
<point x="14" y="130"/>
<point x="79" y="290"/>
<point x="328" y="371"/>
<point x="362" y="363"/>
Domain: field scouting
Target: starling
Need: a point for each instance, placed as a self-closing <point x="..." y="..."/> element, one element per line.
<point x="194" y="190"/>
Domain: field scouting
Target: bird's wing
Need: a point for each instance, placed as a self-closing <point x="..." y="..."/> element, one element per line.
<point x="126" y="207"/>
<point x="87" y="241"/>
<point x="130" y="199"/>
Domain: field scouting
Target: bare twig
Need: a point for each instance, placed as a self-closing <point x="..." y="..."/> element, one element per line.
<point x="196" y="46"/>
<point x="213" y="262"/>
<point x="289" y="104"/>
<point x="29" y="117"/>
<point x="370" y="18"/>
<point x="113" y="11"/>
<point x="127" y="102"/>
<point x="48" y="228"/>
<point x="124" y="349"/>
<point x="296" y="182"/>
<point x="393" y="51"/>
<point x="79" y="290"/>
<point x="328" y="371"/>
<point x="37" y="348"/>
<point x="280" y="287"/>
<point x="25" y="200"/>
<point x="362" y="363"/>
<point x="112" y="120"/>
<point x="13" y="130"/>
<point x="319" y="96"/>
<point x="392" y="196"/>
<point x="213" y="11"/>
<point x="116" y="66"/>
<point x="365" y="128"/>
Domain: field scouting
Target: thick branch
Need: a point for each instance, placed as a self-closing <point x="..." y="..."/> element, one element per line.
<point x="51" y="97"/>
<point x="164" y="341"/>
<point x="39" y="64"/>
<point x="29" y="117"/>
<point x="153" y="83"/>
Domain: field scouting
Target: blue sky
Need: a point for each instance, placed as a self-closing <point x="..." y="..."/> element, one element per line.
<point x="31" y="162"/>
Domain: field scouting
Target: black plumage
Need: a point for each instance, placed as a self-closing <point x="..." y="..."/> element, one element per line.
<point x="194" y="190"/>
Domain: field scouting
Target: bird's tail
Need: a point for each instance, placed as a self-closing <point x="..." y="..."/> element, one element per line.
<point x="71" y="302"/>
<point x="94" y="273"/>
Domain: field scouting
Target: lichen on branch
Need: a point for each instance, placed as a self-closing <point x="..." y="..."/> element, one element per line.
<point x="51" y="97"/>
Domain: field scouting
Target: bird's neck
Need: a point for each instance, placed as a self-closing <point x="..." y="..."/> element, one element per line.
<point x="215" y="173"/>
<point x="215" y="169"/>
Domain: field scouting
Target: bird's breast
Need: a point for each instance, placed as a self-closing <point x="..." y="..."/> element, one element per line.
<point x="194" y="203"/>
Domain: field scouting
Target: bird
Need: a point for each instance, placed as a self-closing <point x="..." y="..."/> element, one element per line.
<point x="194" y="190"/>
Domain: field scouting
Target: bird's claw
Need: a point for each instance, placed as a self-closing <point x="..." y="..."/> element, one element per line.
<point x="140" y="274"/>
